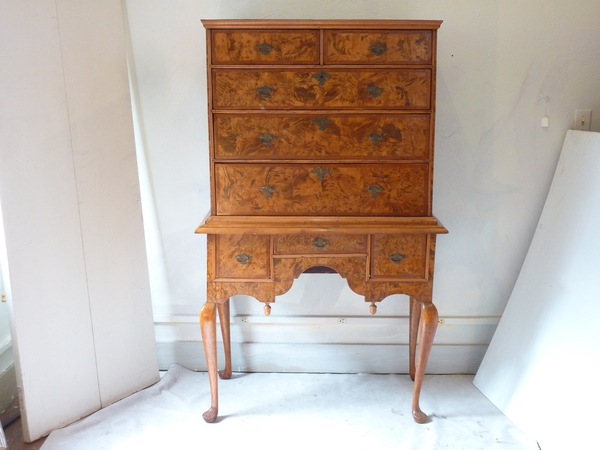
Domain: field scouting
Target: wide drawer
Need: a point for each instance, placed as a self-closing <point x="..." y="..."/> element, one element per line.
<point x="328" y="189"/>
<point x="319" y="244"/>
<point x="321" y="137"/>
<point x="400" y="257"/>
<point x="321" y="88"/>
<point x="378" y="47"/>
<point x="242" y="256"/>
<point x="265" y="47"/>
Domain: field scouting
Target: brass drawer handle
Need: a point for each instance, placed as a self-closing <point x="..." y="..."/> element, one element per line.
<point x="265" y="91"/>
<point x="375" y="190"/>
<point x="374" y="90"/>
<point x="320" y="243"/>
<point x="397" y="257"/>
<point x="378" y="48"/>
<point x="267" y="138"/>
<point x="320" y="173"/>
<point x="268" y="191"/>
<point x="264" y="48"/>
<point x="376" y="137"/>
<point x="322" y="122"/>
<point x="321" y="77"/>
<point x="243" y="258"/>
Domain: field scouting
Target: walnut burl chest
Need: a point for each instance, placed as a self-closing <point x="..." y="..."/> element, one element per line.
<point x="321" y="156"/>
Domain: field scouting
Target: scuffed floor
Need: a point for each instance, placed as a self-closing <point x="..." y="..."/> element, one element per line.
<point x="296" y="411"/>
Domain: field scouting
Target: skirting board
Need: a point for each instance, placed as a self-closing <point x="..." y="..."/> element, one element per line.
<point x="323" y="358"/>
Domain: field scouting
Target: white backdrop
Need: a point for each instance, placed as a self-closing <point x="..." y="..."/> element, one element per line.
<point x="502" y="66"/>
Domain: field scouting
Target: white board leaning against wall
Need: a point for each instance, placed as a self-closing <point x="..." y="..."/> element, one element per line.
<point x="541" y="368"/>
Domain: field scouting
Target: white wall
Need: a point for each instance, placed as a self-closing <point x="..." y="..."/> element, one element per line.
<point x="503" y="65"/>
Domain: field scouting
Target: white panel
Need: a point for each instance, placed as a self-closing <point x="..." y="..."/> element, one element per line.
<point x="47" y="291"/>
<point x="93" y="46"/>
<point x="541" y="368"/>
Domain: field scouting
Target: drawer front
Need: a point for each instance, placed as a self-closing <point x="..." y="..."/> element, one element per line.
<point x="319" y="244"/>
<point x="324" y="89"/>
<point x="378" y="47"/>
<point x="242" y="256"/>
<point x="265" y="47"/>
<point x="322" y="137"/>
<point x="399" y="256"/>
<point x="328" y="189"/>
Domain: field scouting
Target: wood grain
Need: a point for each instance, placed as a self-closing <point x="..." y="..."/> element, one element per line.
<point x="345" y="136"/>
<point x="399" y="47"/>
<point x="343" y="191"/>
<point x="297" y="88"/>
<point x="413" y="248"/>
<point x="287" y="47"/>
<point x="231" y="245"/>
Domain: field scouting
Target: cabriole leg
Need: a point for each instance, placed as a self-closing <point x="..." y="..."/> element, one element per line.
<point x="209" y="339"/>
<point x="415" y="317"/>
<point x="223" y="309"/>
<point x="429" y="321"/>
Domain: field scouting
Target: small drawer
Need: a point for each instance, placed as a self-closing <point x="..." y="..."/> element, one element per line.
<point x="265" y="47"/>
<point x="322" y="88"/>
<point x="319" y="244"/>
<point x="322" y="137"/>
<point x="322" y="189"/>
<point x="378" y="47"/>
<point x="401" y="257"/>
<point x="242" y="256"/>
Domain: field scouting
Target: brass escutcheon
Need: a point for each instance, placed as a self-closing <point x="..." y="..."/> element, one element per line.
<point x="243" y="258"/>
<point x="375" y="190"/>
<point x="374" y="90"/>
<point x="376" y="137"/>
<point x="321" y="77"/>
<point x="320" y="243"/>
<point x="268" y="191"/>
<point x="267" y="138"/>
<point x="322" y="122"/>
<point x="397" y="257"/>
<point x="378" y="48"/>
<point x="265" y="91"/>
<point x="264" y="48"/>
<point x="320" y="172"/>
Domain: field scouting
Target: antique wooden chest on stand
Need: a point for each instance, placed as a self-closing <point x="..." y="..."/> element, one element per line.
<point x="321" y="155"/>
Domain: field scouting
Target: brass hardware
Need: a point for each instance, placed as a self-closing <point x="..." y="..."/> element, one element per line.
<point x="267" y="138"/>
<point x="322" y="122"/>
<point x="374" y="90"/>
<point x="378" y="48"/>
<point x="320" y="173"/>
<point x="397" y="257"/>
<point x="243" y="258"/>
<point x="265" y="91"/>
<point x="321" y="77"/>
<point x="268" y="191"/>
<point x="375" y="190"/>
<point x="265" y="48"/>
<point x="376" y="137"/>
<point x="320" y="243"/>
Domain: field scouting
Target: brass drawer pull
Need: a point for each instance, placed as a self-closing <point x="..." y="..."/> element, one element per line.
<point x="378" y="48"/>
<point x="264" y="48"/>
<point x="320" y="173"/>
<point x="243" y="258"/>
<point x="376" y="137"/>
<point x="268" y="191"/>
<point x="375" y="190"/>
<point x="374" y="90"/>
<point x="321" y="77"/>
<point x="265" y="91"/>
<point x="397" y="257"/>
<point x="320" y="243"/>
<point x="267" y="138"/>
<point x="322" y="122"/>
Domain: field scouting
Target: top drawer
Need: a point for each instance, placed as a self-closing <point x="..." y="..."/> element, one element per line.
<point x="378" y="47"/>
<point x="265" y="47"/>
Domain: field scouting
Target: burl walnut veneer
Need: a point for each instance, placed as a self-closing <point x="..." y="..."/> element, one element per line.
<point x="321" y="155"/>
